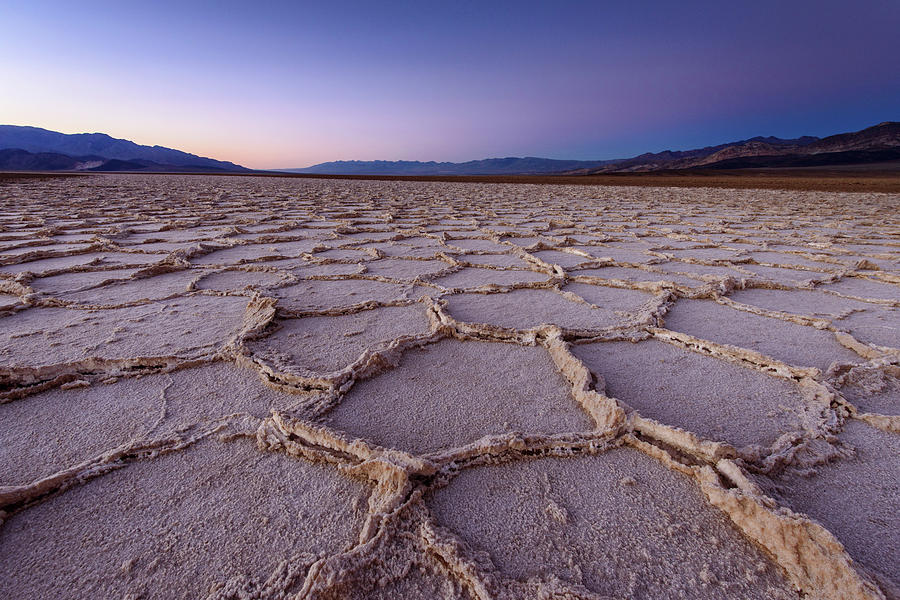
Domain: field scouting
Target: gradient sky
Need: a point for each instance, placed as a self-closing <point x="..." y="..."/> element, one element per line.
<point x="290" y="84"/>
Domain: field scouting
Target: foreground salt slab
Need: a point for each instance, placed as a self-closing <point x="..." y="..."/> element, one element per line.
<point x="240" y="280"/>
<point x="791" y="343"/>
<point x="452" y="393"/>
<point x="872" y="389"/>
<point x="868" y="322"/>
<point x="55" y="263"/>
<point x="405" y="269"/>
<point x="62" y="428"/>
<point x="563" y="259"/>
<point x="180" y="526"/>
<point x="472" y="277"/>
<point x="400" y="564"/>
<point x="879" y="325"/>
<point x="865" y="288"/>
<point x="501" y="261"/>
<point x="186" y="327"/>
<point x="706" y="272"/>
<point x="784" y="276"/>
<point x="311" y="345"/>
<point x="610" y="298"/>
<point x="131" y="291"/>
<point x="631" y="274"/>
<point x="715" y="399"/>
<point x="856" y="498"/>
<point x="316" y="295"/>
<point x="525" y="309"/>
<point x="251" y="253"/>
<point x="56" y="285"/>
<point x="619" y="524"/>
<point x="812" y="303"/>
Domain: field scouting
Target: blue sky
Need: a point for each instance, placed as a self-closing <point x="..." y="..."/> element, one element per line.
<point x="271" y="84"/>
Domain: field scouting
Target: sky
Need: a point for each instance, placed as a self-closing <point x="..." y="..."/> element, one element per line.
<point x="291" y="84"/>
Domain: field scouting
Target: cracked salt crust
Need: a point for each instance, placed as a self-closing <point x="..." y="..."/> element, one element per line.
<point x="182" y="525"/>
<point x="834" y="493"/>
<point x="872" y="389"/>
<point x="792" y="343"/>
<point x="452" y="393"/>
<point x="625" y="371"/>
<point x="712" y="398"/>
<point x="534" y="307"/>
<point x="319" y="295"/>
<point x="58" y="429"/>
<point x="405" y="269"/>
<point x="613" y="524"/>
<point x="330" y="343"/>
<point x="182" y="327"/>
<point x="472" y="277"/>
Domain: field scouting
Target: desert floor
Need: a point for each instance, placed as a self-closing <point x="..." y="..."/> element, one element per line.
<point x="232" y="387"/>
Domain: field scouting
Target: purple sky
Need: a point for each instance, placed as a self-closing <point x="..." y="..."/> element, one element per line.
<point x="289" y="84"/>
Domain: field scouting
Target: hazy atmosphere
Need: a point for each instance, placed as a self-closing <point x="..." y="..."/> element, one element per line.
<point x="275" y="85"/>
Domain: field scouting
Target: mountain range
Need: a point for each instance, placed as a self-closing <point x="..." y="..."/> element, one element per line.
<point x="877" y="144"/>
<point x="489" y="166"/>
<point x="35" y="149"/>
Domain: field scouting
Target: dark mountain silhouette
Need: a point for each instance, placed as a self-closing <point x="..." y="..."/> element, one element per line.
<point x="489" y="166"/>
<point x="103" y="147"/>
<point x="527" y="165"/>
<point x="115" y="164"/>
<point x="16" y="159"/>
<point x="876" y="144"/>
<point x="822" y="159"/>
<point x="872" y="145"/>
<point x="34" y="149"/>
<point x="677" y="159"/>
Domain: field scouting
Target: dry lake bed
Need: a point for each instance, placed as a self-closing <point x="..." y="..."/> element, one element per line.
<point x="230" y="387"/>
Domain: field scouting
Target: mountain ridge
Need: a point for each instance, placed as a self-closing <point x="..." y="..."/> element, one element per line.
<point x="875" y="143"/>
<point x="38" y="142"/>
<point x="872" y="144"/>
<point x="487" y="166"/>
<point x="35" y="149"/>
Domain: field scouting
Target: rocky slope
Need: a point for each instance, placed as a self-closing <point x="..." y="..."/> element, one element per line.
<point x="873" y="144"/>
<point x="80" y="149"/>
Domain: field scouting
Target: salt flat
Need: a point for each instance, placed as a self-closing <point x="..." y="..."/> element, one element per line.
<point x="249" y="387"/>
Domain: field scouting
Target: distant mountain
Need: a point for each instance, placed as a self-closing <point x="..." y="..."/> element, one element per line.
<point x="820" y="159"/>
<point x="34" y="149"/>
<point x="97" y="147"/>
<point x="880" y="143"/>
<point x="491" y="166"/>
<point x="878" y="137"/>
<point x="531" y="165"/>
<point x="15" y="159"/>
<point x="679" y="159"/>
